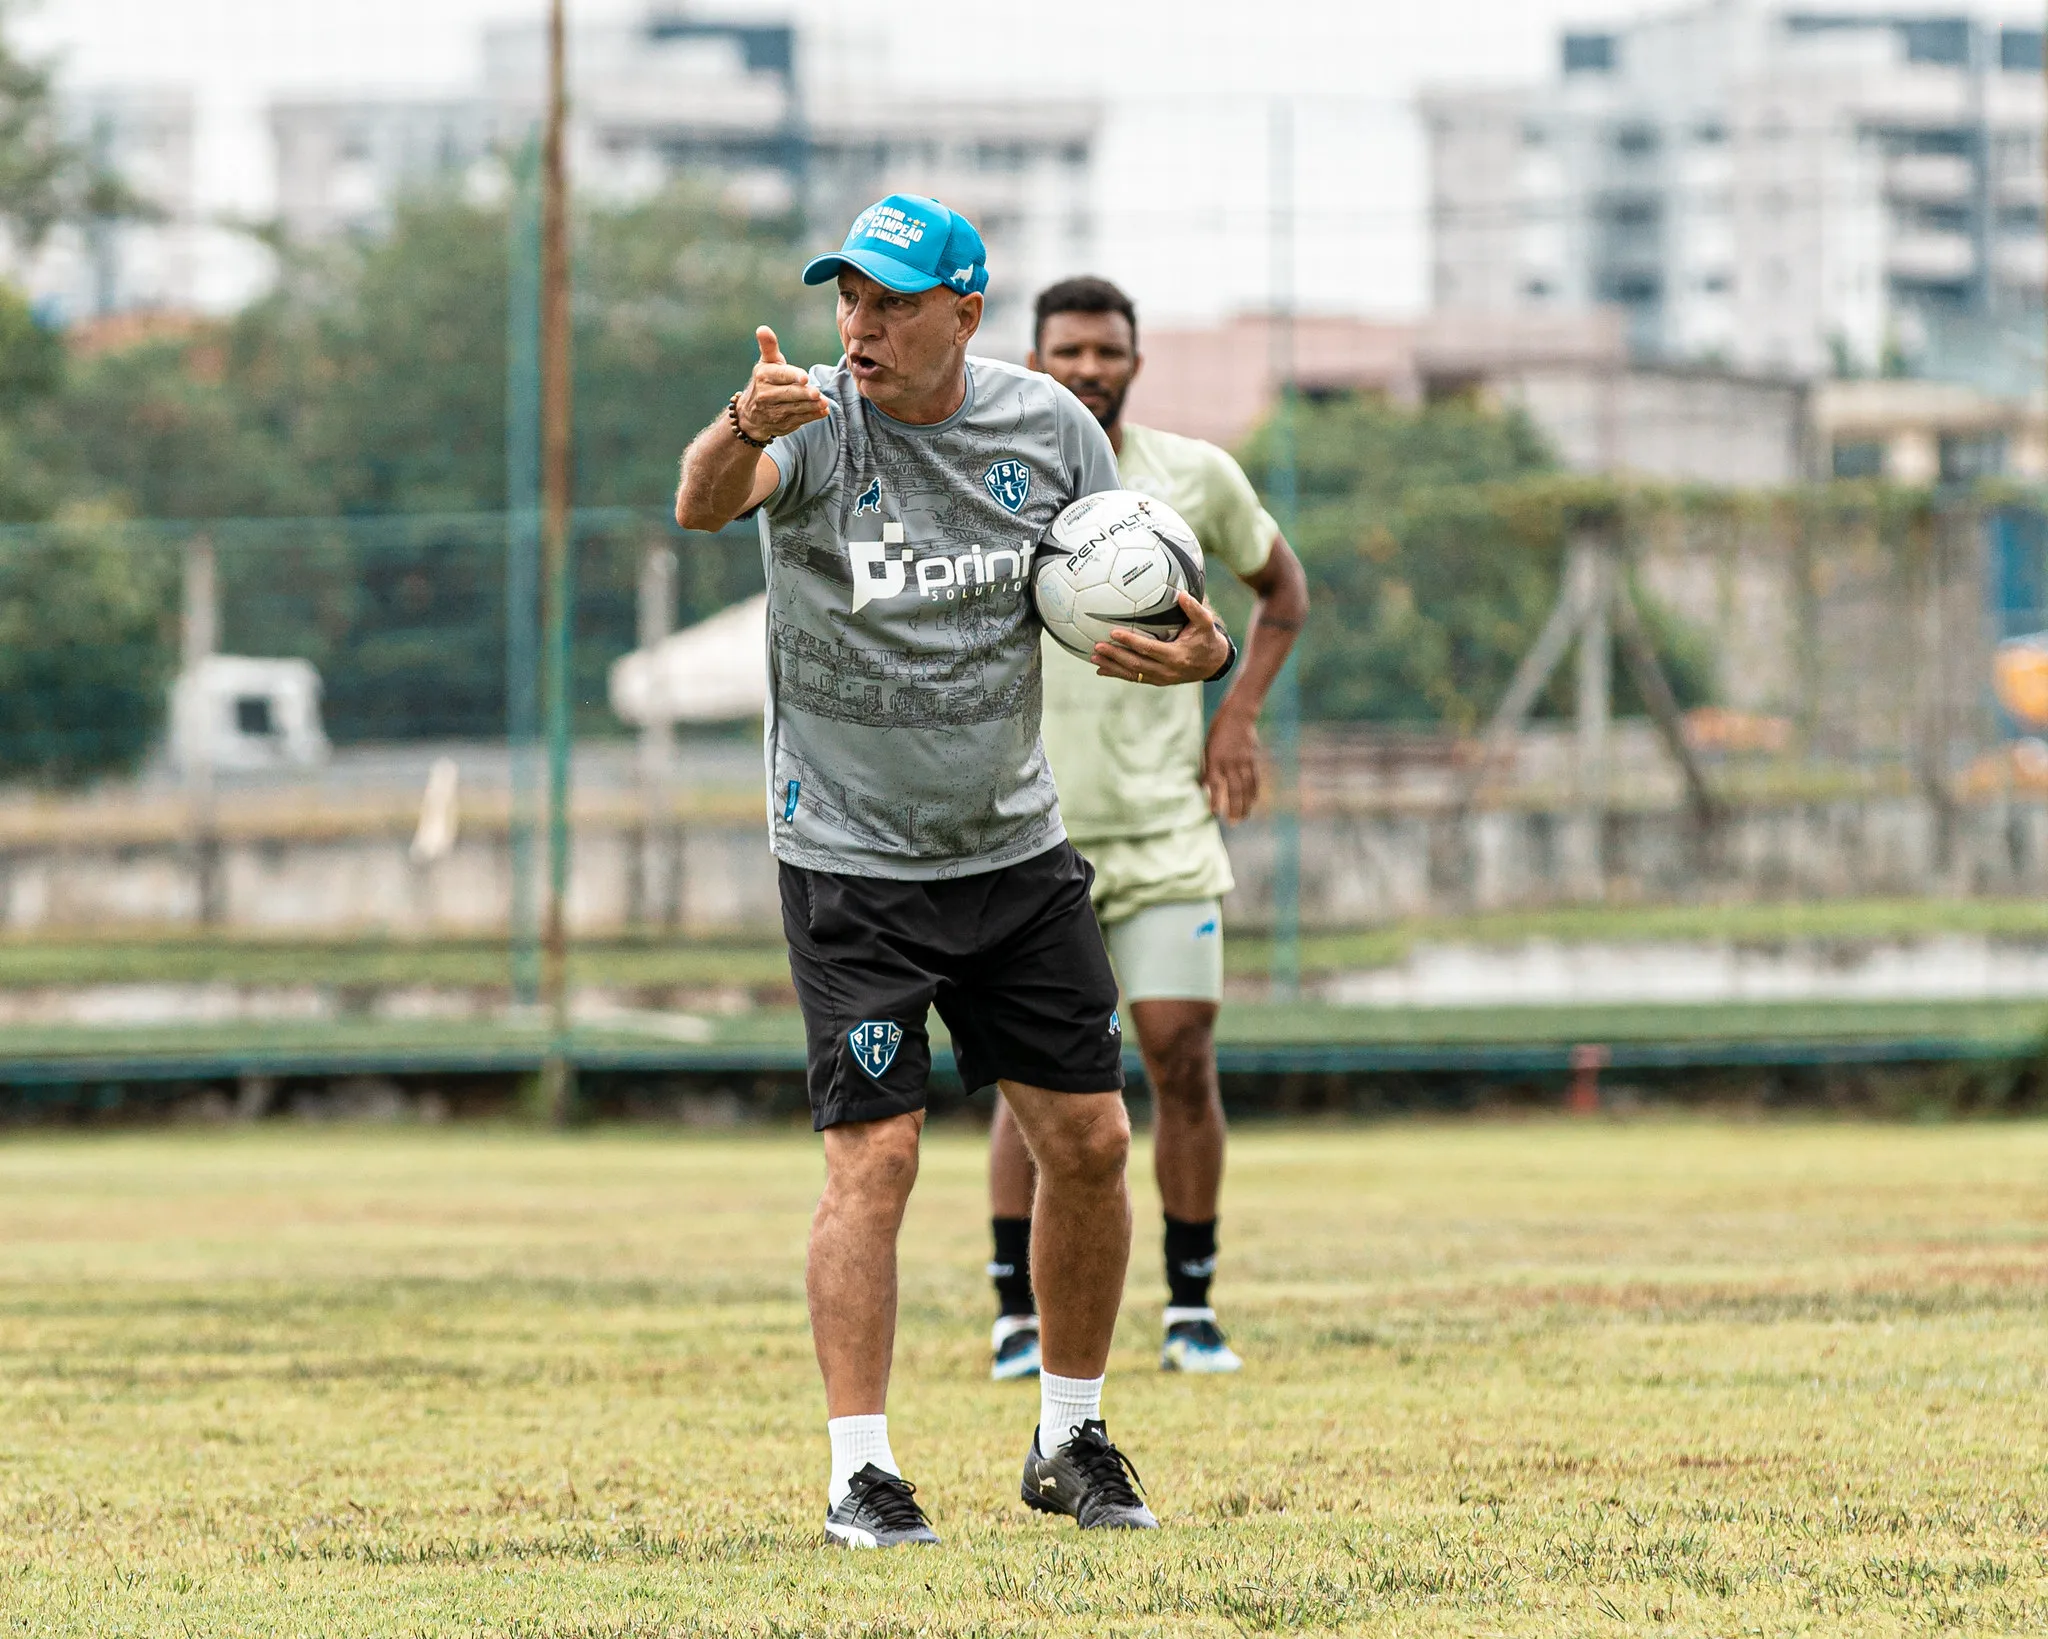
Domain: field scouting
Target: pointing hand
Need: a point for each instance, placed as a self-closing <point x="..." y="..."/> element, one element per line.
<point x="779" y="398"/>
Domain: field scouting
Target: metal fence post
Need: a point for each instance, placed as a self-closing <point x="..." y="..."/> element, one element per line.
<point x="655" y="896"/>
<point x="1284" y="705"/>
<point x="200" y="642"/>
<point x="1592" y="563"/>
<point x="522" y="566"/>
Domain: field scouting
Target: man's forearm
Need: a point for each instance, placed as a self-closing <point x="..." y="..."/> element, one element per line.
<point x="1276" y="621"/>
<point x="718" y="478"/>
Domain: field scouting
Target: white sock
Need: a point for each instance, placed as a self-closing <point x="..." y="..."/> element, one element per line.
<point x="1064" y="1404"/>
<point x="856" y="1442"/>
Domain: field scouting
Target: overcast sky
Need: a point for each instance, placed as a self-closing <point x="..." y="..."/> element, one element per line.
<point x="1184" y="161"/>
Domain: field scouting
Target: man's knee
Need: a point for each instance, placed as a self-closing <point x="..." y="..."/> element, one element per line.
<point x="1087" y="1139"/>
<point x="874" y="1160"/>
<point x="1182" y="1063"/>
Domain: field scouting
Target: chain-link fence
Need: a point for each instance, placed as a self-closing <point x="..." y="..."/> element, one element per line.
<point x="309" y="725"/>
<point x="238" y="723"/>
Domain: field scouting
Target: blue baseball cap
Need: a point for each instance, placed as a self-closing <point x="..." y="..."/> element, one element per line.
<point x="909" y="243"/>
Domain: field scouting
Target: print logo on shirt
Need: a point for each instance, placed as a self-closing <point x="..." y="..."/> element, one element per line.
<point x="870" y="499"/>
<point x="1009" y="482"/>
<point x="882" y="569"/>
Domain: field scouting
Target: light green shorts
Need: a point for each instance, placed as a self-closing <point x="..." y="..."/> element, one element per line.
<point x="1169" y="952"/>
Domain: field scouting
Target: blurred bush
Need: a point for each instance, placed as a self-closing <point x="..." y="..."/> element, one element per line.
<point x="1434" y="540"/>
<point x="371" y="385"/>
<point x="88" y="644"/>
<point x="372" y="379"/>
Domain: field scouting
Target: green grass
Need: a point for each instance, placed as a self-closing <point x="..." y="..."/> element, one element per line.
<point x="2015" y="1026"/>
<point x="372" y="963"/>
<point x="2018" y="1023"/>
<point x="1851" y="919"/>
<point x="1540" y="1380"/>
<point x="27" y="961"/>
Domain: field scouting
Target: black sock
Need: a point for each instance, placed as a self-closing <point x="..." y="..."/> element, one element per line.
<point x="1190" y="1263"/>
<point x="1011" y="1270"/>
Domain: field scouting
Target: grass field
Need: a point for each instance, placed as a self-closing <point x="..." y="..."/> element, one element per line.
<point x="1537" y="1379"/>
<point x="2003" y="1029"/>
<point x="213" y="956"/>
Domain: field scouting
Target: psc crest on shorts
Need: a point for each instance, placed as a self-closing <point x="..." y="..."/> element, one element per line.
<point x="874" y="1045"/>
<point x="1009" y="482"/>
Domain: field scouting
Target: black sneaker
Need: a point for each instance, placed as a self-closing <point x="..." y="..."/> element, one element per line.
<point x="1086" y="1478"/>
<point x="879" y="1510"/>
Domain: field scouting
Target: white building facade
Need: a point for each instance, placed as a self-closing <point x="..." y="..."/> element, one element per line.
<point x="1763" y="186"/>
<point x="671" y="96"/>
<point x="142" y="137"/>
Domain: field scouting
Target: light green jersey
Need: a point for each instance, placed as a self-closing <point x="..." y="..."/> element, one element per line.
<point x="1127" y="757"/>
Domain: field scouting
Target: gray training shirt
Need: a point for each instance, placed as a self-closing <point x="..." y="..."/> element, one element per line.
<point x="903" y="681"/>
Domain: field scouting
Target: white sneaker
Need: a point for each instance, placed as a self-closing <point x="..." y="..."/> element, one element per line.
<point x="1014" y="1347"/>
<point x="1194" y="1343"/>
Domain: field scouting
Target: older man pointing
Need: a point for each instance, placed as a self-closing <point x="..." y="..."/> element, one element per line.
<point x="923" y="863"/>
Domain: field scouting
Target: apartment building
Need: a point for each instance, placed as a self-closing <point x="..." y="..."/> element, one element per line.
<point x="673" y="95"/>
<point x="128" y="263"/>
<point x="1762" y="186"/>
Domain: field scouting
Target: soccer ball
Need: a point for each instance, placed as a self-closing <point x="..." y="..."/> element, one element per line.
<point x="1115" y="558"/>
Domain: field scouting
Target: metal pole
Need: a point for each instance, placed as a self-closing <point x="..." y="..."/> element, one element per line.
<point x="1283" y="709"/>
<point x="657" y="619"/>
<point x="201" y="640"/>
<point x="556" y="1091"/>
<point x="1592" y="564"/>
<point x="522" y="564"/>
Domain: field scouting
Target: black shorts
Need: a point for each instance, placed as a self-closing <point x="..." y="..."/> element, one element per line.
<point x="1011" y="958"/>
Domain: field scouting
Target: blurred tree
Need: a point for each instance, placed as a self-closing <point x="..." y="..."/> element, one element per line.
<point x="86" y="618"/>
<point x="372" y="378"/>
<point x="157" y="431"/>
<point x="381" y="362"/>
<point x="371" y="383"/>
<point x="44" y="180"/>
<point x="87" y="648"/>
<point x="668" y="296"/>
<point x="1425" y="590"/>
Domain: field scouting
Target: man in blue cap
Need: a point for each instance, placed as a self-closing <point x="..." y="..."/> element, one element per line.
<point x="901" y="494"/>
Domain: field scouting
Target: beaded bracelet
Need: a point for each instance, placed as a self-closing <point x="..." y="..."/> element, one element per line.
<point x="732" y="411"/>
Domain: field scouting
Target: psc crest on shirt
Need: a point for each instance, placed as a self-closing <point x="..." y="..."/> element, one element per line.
<point x="1009" y="482"/>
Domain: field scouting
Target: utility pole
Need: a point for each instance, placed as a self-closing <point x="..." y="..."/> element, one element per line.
<point x="522" y="564"/>
<point x="1284" y="706"/>
<point x="557" y="1090"/>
